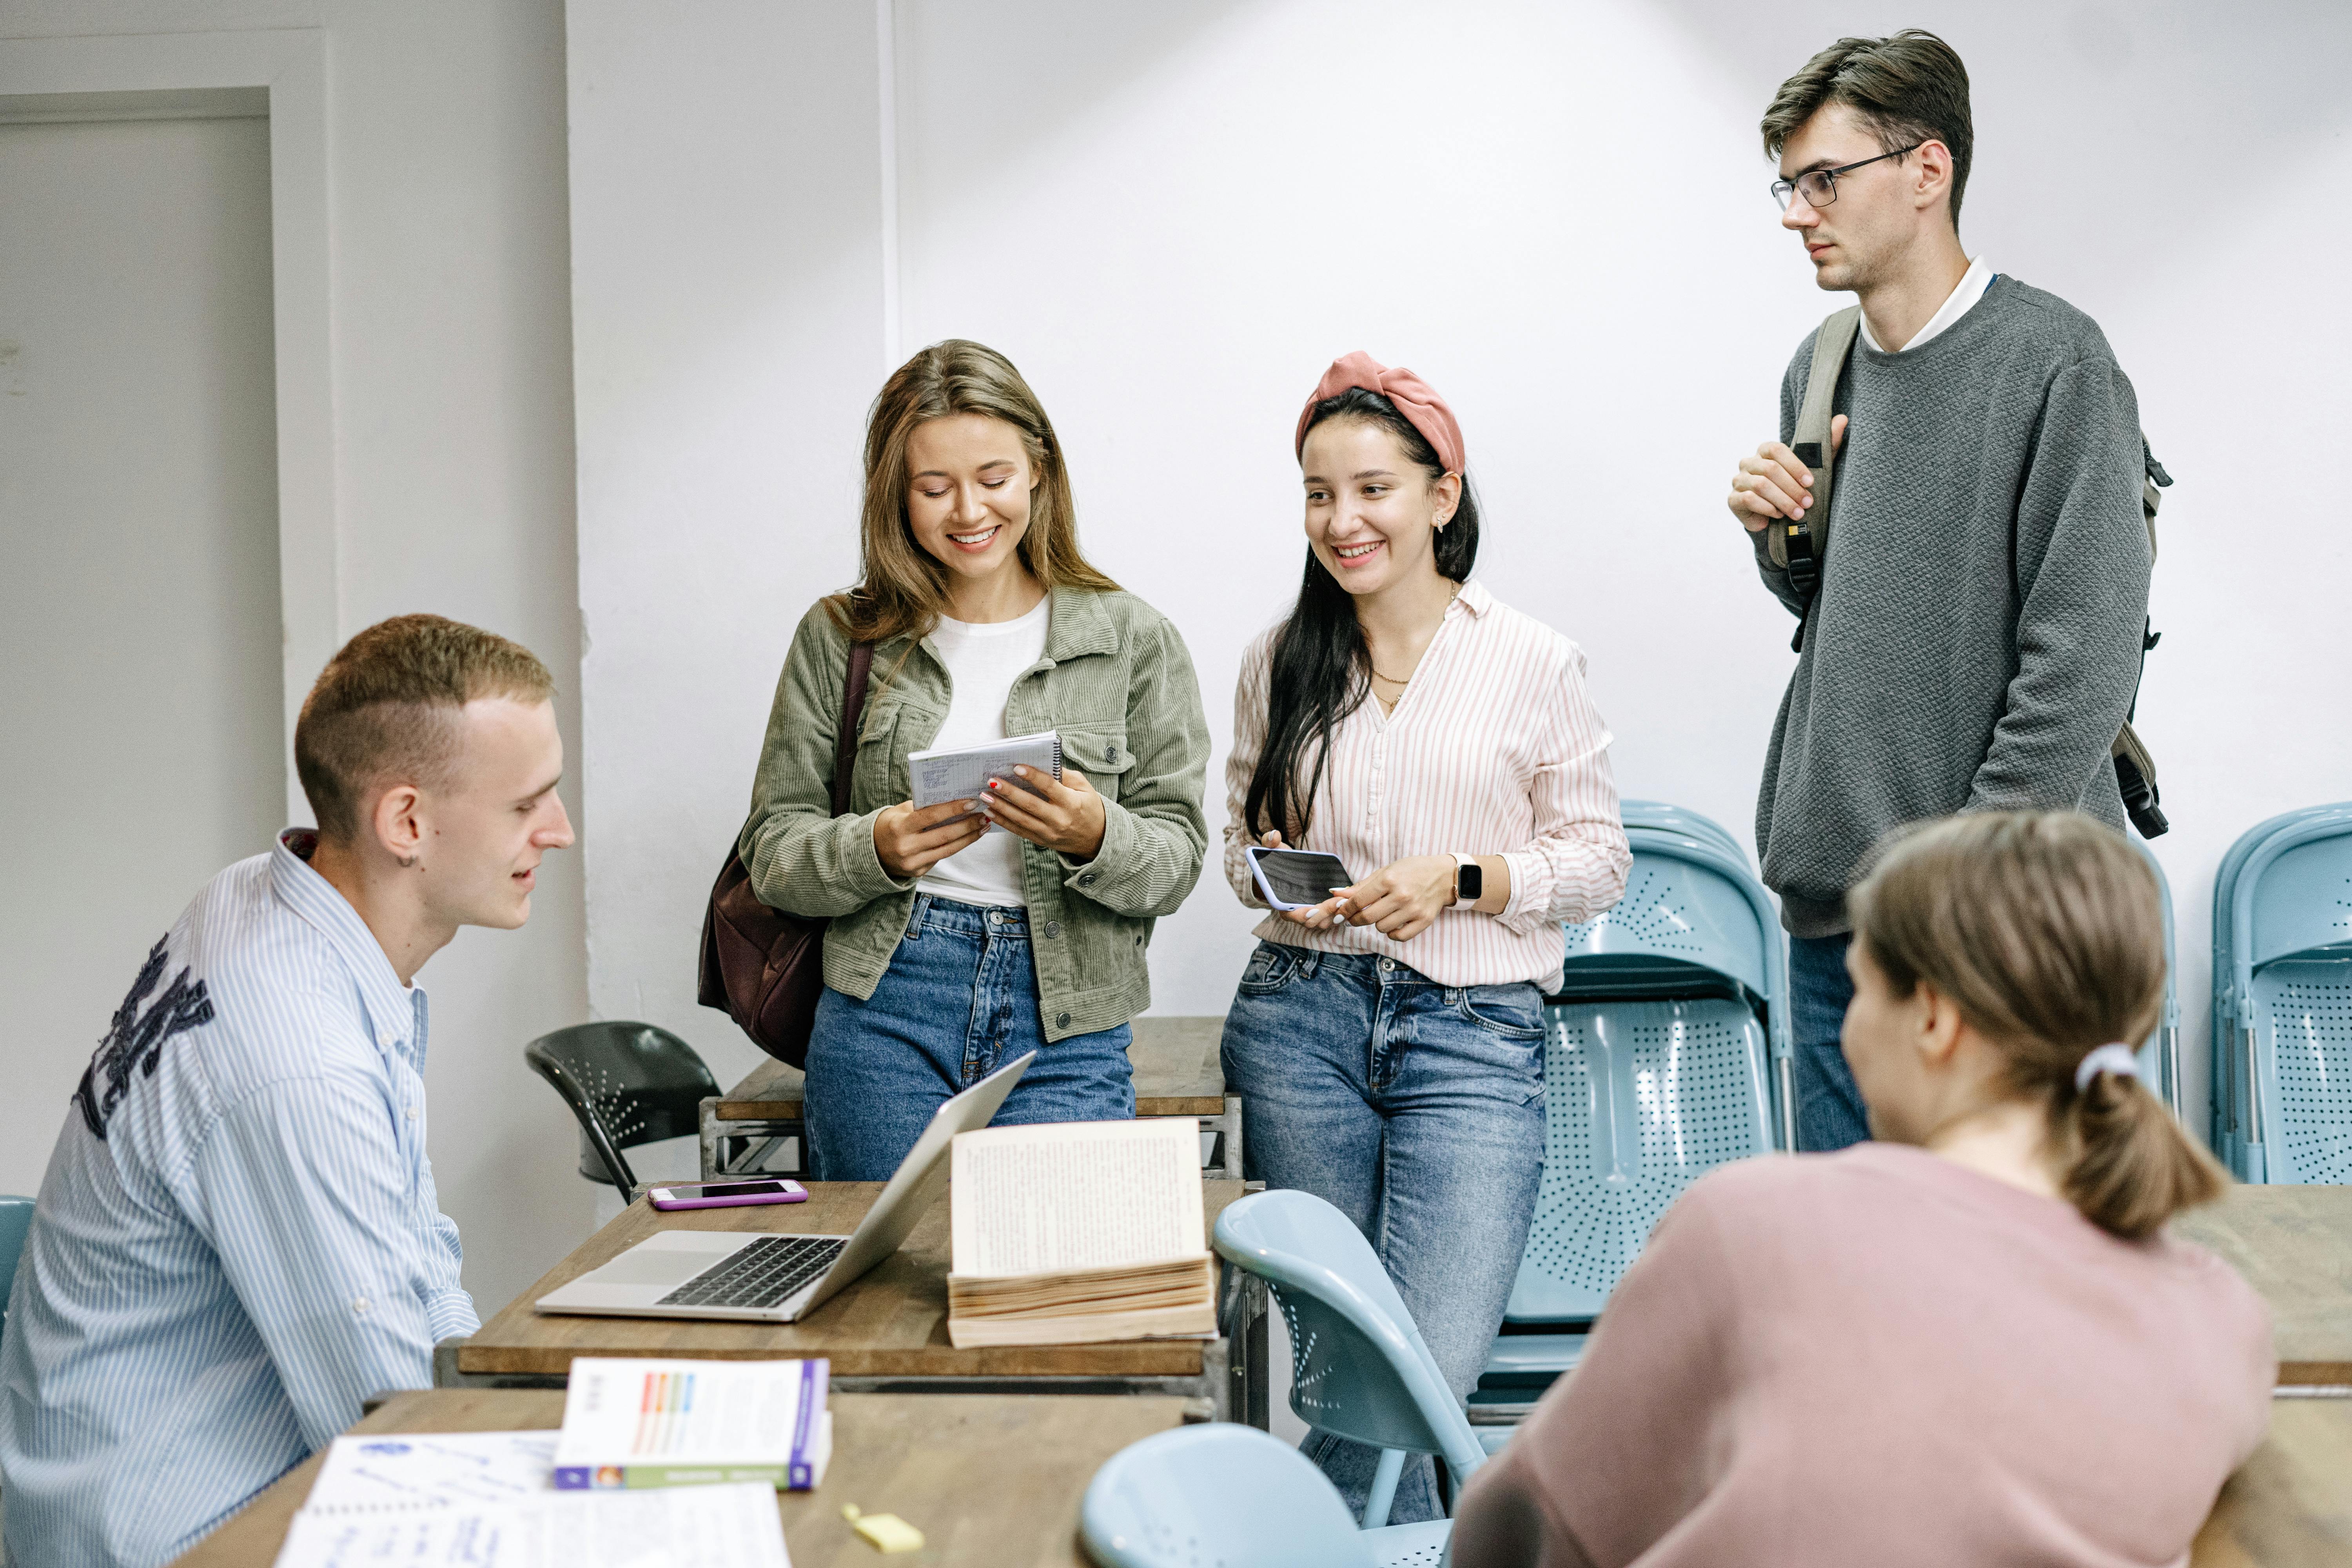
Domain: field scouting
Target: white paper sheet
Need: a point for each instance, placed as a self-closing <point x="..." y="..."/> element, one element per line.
<point x="687" y="1527"/>
<point x="435" y="1469"/>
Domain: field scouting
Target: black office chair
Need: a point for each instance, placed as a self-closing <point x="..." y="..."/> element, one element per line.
<point x="628" y="1084"/>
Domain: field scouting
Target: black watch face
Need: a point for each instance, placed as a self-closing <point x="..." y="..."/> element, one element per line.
<point x="1470" y="883"/>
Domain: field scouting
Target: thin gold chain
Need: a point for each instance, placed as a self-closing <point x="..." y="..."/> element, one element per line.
<point x="1392" y="679"/>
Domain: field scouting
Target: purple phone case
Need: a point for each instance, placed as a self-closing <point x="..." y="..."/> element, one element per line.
<point x="739" y="1201"/>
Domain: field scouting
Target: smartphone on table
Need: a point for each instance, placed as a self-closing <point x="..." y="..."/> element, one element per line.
<point x="726" y="1194"/>
<point x="1296" y="879"/>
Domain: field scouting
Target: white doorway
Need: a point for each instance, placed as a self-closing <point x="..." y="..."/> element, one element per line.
<point x="142" y="728"/>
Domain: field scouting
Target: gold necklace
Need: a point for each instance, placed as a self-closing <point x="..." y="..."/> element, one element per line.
<point x="1392" y="679"/>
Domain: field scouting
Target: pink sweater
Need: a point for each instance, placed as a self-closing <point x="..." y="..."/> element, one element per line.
<point x="1878" y="1357"/>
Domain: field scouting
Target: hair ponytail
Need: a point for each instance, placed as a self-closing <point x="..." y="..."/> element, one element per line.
<point x="2046" y="931"/>
<point x="2134" y="1165"/>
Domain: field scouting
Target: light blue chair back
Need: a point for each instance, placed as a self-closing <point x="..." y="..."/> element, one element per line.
<point x="1221" y="1495"/>
<point x="1657" y="1067"/>
<point x="1665" y="817"/>
<point x="2159" y="1058"/>
<point x="16" y="1221"/>
<point x="2283" y="1000"/>
<point x="1359" y="1367"/>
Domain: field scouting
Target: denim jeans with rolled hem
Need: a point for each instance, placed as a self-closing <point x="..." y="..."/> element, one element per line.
<point x="1416" y="1110"/>
<point x="1828" y="1107"/>
<point x="959" y="1000"/>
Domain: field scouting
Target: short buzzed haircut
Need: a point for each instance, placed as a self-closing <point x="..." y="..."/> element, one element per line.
<point x="1908" y="88"/>
<point x="384" y="711"/>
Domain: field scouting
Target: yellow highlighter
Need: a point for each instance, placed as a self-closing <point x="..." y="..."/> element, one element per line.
<point x="886" y="1532"/>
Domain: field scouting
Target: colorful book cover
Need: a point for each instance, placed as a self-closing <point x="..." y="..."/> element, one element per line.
<point x="637" y="1423"/>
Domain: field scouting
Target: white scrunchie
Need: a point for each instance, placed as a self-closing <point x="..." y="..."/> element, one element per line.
<point x="2117" y="1058"/>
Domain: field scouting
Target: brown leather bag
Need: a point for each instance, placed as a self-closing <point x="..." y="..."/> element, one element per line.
<point x="761" y="967"/>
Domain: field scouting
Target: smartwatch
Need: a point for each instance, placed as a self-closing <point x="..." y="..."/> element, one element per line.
<point x="1469" y="879"/>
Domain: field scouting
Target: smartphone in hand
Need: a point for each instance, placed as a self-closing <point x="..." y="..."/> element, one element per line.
<point x="1296" y="879"/>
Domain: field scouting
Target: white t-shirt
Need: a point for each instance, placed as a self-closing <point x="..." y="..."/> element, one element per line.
<point x="983" y="661"/>
<point x="1965" y="293"/>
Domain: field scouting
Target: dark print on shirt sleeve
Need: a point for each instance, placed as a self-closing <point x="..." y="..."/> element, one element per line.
<point x="136" y="1037"/>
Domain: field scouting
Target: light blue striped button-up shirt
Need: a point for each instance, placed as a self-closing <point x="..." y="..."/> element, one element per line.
<point x="237" y="1238"/>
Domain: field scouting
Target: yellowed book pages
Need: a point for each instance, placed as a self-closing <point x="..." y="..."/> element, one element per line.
<point x="1077" y="1194"/>
<point x="1173" y="1322"/>
<point x="1180" y="1281"/>
<point x="1075" y="1233"/>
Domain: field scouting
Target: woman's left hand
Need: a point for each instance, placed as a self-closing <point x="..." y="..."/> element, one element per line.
<point x="1401" y="899"/>
<point x="1068" y="818"/>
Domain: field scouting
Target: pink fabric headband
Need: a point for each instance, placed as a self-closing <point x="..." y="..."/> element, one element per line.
<point x="1414" y="398"/>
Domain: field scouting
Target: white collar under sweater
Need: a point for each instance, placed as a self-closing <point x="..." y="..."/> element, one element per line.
<point x="1967" y="292"/>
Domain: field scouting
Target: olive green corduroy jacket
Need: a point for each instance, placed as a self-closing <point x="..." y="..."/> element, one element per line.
<point x="1115" y="683"/>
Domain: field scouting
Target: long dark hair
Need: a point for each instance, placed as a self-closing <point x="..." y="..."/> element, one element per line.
<point x="1322" y="667"/>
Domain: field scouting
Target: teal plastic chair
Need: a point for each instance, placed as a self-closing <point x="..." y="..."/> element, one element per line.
<point x="2159" y="1058"/>
<point x="1665" y="817"/>
<point x="16" y="1220"/>
<point x="1667" y="1054"/>
<point x="2282" y="999"/>
<point x="1359" y="1367"/>
<point x="1221" y="1495"/>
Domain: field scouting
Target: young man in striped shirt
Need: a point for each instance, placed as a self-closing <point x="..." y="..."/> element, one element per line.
<point x="237" y="1239"/>
<point x="1975" y="640"/>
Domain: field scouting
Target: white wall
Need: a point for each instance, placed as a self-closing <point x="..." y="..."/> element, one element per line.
<point x="141" y="599"/>
<point x="1171" y="217"/>
<point x="453" y="485"/>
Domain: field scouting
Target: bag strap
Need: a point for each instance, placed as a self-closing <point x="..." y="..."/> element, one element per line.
<point x="1799" y="547"/>
<point x="852" y="709"/>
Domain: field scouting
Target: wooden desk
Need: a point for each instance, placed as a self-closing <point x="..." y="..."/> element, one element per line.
<point x="885" y="1333"/>
<point x="1177" y="1073"/>
<point x="2293" y="1245"/>
<point x="988" y="1478"/>
<point x="2291" y="1506"/>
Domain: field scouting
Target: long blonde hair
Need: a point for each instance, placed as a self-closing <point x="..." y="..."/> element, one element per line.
<point x="2046" y="929"/>
<point x="904" y="590"/>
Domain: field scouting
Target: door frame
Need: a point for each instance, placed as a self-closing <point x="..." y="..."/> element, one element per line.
<point x="280" y="73"/>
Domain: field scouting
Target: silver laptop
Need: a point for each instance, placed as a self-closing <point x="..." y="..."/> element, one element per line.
<point x="781" y="1279"/>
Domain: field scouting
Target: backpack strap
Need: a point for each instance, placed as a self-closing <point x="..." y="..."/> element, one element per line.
<point x="852" y="711"/>
<point x="1798" y="548"/>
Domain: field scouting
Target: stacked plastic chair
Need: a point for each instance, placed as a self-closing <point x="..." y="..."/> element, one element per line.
<point x="2159" y="1058"/>
<point x="2281" y="1052"/>
<point x="1667" y="1054"/>
<point x="1359" y="1365"/>
<point x="1221" y="1495"/>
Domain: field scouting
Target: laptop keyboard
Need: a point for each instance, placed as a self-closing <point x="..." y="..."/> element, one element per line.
<point x="764" y="1274"/>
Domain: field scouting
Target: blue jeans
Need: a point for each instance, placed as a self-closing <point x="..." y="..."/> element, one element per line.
<point x="1828" y="1107"/>
<point x="1416" y="1110"/>
<point x="959" y="1000"/>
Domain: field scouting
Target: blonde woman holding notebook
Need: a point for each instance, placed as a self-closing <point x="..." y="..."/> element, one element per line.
<point x="952" y="948"/>
<point x="1388" y="1042"/>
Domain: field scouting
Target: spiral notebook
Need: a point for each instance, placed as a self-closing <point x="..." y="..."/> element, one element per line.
<point x="962" y="773"/>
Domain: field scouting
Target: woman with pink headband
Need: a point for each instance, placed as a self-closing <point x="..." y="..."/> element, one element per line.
<point x="1389" y="1040"/>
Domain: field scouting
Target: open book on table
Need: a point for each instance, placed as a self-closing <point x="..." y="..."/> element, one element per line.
<point x="1077" y="1232"/>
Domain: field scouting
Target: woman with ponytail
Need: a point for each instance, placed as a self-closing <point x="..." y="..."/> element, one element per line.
<point x="1389" y="1040"/>
<point x="1971" y="1341"/>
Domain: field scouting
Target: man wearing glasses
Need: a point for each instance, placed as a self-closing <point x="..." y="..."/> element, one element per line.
<point x="1970" y="639"/>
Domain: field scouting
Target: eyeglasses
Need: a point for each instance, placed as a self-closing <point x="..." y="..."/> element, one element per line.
<point x="1820" y="186"/>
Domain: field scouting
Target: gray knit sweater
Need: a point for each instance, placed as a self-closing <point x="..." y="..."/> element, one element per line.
<point x="1975" y="643"/>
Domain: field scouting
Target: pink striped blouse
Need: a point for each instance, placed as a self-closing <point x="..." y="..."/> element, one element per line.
<point x="1495" y="749"/>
